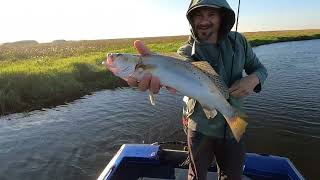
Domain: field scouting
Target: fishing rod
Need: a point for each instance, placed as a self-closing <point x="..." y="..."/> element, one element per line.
<point x="235" y="39"/>
<point x="234" y="52"/>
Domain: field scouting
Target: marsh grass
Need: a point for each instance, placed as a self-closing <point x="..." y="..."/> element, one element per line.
<point x="268" y="37"/>
<point x="34" y="75"/>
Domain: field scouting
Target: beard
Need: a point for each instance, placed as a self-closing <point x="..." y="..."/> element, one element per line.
<point x="206" y="35"/>
<point x="204" y="32"/>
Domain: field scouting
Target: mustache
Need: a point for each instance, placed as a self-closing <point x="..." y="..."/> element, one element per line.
<point x="204" y="26"/>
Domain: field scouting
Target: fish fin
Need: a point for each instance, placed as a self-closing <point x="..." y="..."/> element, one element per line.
<point x="152" y="99"/>
<point x="210" y="113"/>
<point x="240" y="112"/>
<point x="237" y="126"/>
<point x="141" y="69"/>
<point x="138" y="74"/>
<point x="206" y="68"/>
<point x="146" y="67"/>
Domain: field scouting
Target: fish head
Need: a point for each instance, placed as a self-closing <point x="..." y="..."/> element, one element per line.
<point x="122" y="65"/>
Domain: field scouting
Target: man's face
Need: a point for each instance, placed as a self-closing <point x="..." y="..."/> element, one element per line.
<point x="206" y="22"/>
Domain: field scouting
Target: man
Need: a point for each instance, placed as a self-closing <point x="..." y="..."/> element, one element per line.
<point x="211" y="40"/>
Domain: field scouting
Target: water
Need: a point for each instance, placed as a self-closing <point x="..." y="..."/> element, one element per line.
<point x="76" y="140"/>
<point x="285" y="116"/>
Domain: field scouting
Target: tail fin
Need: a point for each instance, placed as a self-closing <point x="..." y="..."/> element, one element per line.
<point x="237" y="126"/>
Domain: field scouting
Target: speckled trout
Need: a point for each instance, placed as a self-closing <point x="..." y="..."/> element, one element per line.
<point x="197" y="80"/>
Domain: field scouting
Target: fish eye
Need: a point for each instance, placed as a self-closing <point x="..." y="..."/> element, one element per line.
<point x="118" y="54"/>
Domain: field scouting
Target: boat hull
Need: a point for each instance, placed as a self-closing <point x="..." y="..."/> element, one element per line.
<point x="145" y="161"/>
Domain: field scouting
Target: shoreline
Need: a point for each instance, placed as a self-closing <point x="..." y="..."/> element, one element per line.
<point x="24" y="91"/>
<point x="256" y="43"/>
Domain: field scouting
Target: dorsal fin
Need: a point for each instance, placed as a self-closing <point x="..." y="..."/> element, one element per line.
<point x="206" y="68"/>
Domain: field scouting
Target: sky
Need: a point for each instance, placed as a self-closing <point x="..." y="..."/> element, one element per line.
<point x="48" y="20"/>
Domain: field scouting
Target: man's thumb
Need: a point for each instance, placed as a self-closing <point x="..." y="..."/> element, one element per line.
<point x="141" y="48"/>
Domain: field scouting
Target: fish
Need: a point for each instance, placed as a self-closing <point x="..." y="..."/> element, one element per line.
<point x="197" y="80"/>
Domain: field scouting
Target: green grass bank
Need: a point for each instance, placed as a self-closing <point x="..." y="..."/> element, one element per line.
<point x="36" y="75"/>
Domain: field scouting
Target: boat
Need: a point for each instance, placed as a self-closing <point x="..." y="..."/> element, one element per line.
<point x="153" y="162"/>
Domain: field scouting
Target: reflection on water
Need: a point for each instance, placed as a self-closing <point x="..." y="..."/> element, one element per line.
<point x="75" y="141"/>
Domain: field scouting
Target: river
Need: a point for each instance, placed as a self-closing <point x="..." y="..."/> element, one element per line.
<point x="76" y="140"/>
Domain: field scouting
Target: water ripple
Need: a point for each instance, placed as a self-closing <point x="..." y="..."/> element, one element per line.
<point x="76" y="140"/>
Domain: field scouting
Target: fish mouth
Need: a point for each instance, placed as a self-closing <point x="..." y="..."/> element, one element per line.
<point x="109" y="62"/>
<point x="110" y="66"/>
<point x="115" y="70"/>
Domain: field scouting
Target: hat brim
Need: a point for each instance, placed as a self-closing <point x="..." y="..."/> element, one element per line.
<point x="199" y="6"/>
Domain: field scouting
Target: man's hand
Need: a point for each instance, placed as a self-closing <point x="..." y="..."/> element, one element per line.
<point x="244" y="86"/>
<point x="148" y="81"/>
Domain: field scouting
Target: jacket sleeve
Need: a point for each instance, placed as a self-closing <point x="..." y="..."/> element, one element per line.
<point x="253" y="65"/>
<point x="185" y="52"/>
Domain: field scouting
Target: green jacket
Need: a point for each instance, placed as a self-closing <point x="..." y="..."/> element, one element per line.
<point x="220" y="57"/>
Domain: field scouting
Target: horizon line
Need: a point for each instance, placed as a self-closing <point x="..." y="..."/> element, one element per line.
<point x="122" y="38"/>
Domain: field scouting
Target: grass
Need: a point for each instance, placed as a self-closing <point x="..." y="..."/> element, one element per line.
<point x="33" y="84"/>
<point x="34" y="75"/>
<point x="268" y="37"/>
<point x="57" y="50"/>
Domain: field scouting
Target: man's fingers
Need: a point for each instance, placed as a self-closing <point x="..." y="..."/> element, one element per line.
<point x="149" y="82"/>
<point x="155" y="85"/>
<point x="236" y="93"/>
<point x="234" y="86"/>
<point x="145" y="82"/>
<point x="132" y="82"/>
<point x="240" y="93"/>
<point x="141" y="48"/>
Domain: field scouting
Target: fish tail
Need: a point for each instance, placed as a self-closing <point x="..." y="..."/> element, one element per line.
<point x="237" y="126"/>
